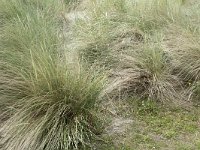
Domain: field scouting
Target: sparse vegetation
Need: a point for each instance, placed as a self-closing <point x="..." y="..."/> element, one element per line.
<point x="93" y="74"/>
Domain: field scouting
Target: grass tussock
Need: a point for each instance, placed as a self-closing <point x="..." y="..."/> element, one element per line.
<point x="184" y="51"/>
<point x="147" y="73"/>
<point x="56" y="112"/>
<point x="48" y="105"/>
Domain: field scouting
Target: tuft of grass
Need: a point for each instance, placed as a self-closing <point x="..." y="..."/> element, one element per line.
<point x="186" y="51"/>
<point x="189" y="60"/>
<point x="49" y="104"/>
<point x="56" y="112"/>
<point x="160" y="82"/>
<point x="147" y="74"/>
